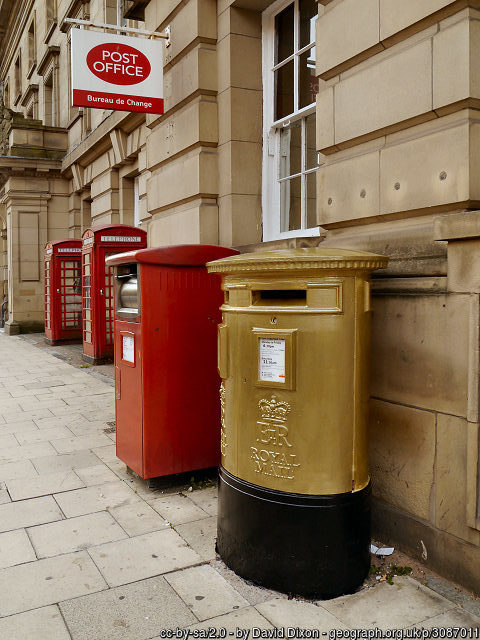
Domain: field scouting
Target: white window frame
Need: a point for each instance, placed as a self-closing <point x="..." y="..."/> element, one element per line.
<point x="271" y="211"/>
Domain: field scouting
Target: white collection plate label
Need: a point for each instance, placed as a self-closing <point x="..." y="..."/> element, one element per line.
<point x="272" y="360"/>
<point x="128" y="349"/>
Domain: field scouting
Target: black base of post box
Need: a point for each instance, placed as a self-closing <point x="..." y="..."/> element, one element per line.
<point x="314" y="546"/>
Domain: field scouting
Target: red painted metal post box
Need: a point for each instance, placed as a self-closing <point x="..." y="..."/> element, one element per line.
<point x="97" y="299"/>
<point x="63" y="291"/>
<point x="166" y="382"/>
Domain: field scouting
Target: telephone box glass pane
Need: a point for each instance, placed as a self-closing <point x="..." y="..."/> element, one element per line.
<point x="70" y="294"/>
<point x="109" y="300"/>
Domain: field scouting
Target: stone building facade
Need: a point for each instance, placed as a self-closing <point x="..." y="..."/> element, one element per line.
<point x="351" y="123"/>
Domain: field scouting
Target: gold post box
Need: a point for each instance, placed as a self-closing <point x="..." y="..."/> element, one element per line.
<point x="294" y="491"/>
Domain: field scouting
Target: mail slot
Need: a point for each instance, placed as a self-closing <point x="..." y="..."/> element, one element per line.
<point x="294" y="491"/>
<point x="166" y="381"/>
<point x="98" y="244"/>
<point x="63" y="291"/>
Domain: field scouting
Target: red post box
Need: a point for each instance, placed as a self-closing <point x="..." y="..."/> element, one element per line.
<point x="97" y="301"/>
<point x="166" y="382"/>
<point x="63" y="291"/>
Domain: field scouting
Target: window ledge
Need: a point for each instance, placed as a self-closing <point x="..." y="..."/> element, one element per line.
<point x="50" y="29"/>
<point x="299" y="242"/>
<point x="32" y="69"/>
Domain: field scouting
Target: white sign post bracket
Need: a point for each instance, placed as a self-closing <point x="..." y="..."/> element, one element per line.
<point x="120" y="29"/>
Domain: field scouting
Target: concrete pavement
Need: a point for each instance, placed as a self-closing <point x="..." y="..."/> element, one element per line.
<point x="87" y="552"/>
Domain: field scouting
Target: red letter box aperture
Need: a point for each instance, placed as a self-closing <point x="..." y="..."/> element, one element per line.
<point x="166" y="381"/>
<point x="63" y="291"/>
<point x="98" y="304"/>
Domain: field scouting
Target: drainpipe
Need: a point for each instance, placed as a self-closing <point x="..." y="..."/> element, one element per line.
<point x="3" y="311"/>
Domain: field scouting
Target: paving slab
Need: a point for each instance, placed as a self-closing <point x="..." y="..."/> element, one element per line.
<point x="74" y="534"/>
<point x="15" y="548"/>
<point x="22" y="392"/>
<point x="251" y="592"/>
<point x="456" y="618"/>
<point x="23" y="469"/>
<point x="21" y="416"/>
<point x="52" y="421"/>
<point x="294" y="613"/>
<point x="43" y="485"/>
<point x="99" y="474"/>
<point x="8" y="441"/>
<point x="106" y="453"/>
<point x="386" y="606"/>
<point x="27" y="513"/>
<point x="241" y="619"/>
<point x="96" y="498"/>
<point x="206" y="593"/>
<point x="37" y="584"/>
<point x="177" y="509"/>
<point x="34" y="404"/>
<point x="28" y="451"/>
<point x="143" y="557"/>
<point x="138" y="518"/>
<point x="69" y="445"/>
<point x="97" y="519"/>
<point x="201" y="535"/>
<point x="454" y="594"/>
<point x="206" y="499"/>
<point x="40" y="624"/>
<point x="42" y="435"/>
<point x="10" y="406"/>
<point x="132" y="612"/>
<point x="17" y="427"/>
<point x="86" y="428"/>
<point x="79" y="460"/>
<point x="4" y="495"/>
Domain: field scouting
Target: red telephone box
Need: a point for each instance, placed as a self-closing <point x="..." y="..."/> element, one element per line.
<point x="97" y="301"/>
<point x="63" y="291"/>
<point x="166" y="382"/>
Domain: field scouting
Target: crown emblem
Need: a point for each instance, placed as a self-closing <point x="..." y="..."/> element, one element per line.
<point x="274" y="410"/>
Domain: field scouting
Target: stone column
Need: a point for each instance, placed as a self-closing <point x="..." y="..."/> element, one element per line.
<point x="25" y="201"/>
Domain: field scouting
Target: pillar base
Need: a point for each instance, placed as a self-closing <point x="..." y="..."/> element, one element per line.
<point x="313" y="546"/>
<point x="12" y="328"/>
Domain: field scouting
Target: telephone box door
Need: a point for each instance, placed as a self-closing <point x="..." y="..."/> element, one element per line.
<point x="88" y="320"/>
<point x="105" y="300"/>
<point x="69" y="296"/>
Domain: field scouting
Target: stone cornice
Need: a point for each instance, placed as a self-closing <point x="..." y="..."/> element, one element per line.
<point x="99" y="139"/>
<point x="12" y="166"/>
<point x="50" y="53"/>
<point x="29" y="92"/>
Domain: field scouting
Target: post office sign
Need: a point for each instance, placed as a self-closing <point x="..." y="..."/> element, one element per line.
<point x="124" y="73"/>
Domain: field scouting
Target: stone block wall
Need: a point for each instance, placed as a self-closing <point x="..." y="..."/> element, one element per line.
<point x="398" y="130"/>
<point x="204" y="153"/>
